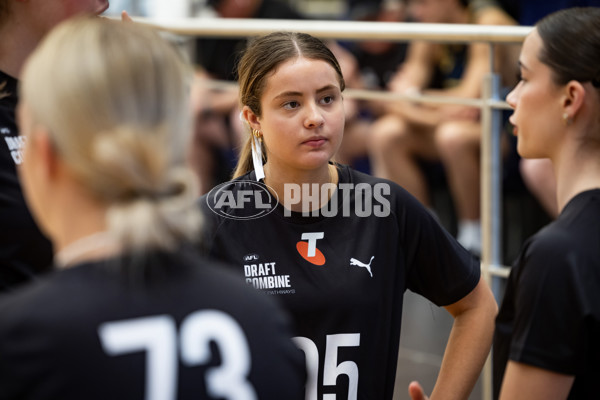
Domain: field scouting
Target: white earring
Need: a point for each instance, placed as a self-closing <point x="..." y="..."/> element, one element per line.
<point x="257" y="156"/>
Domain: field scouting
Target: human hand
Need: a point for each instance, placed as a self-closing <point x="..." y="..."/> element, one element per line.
<point x="125" y="17"/>
<point x="415" y="391"/>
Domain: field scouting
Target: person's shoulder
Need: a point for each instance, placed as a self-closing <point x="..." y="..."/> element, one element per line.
<point x="546" y="253"/>
<point x="581" y="207"/>
<point x="28" y="302"/>
<point x="357" y="177"/>
<point x="574" y="225"/>
<point x="550" y="240"/>
<point x="569" y="237"/>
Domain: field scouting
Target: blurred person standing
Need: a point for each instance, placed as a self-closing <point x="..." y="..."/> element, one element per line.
<point x="24" y="250"/>
<point x="131" y="311"/>
<point x="538" y="175"/>
<point x="546" y="343"/>
<point x="340" y="247"/>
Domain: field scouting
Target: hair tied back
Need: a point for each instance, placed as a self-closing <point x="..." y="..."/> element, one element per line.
<point x="596" y="80"/>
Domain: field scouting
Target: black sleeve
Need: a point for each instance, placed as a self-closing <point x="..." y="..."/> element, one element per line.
<point x="24" y="251"/>
<point x="438" y="267"/>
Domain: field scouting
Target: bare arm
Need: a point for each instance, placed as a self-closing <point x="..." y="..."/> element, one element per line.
<point x="416" y="71"/>
<point x="469" y="343"/>
<point x="478" y="66"/>
<point x="415" y="75"/>
<point x="522" y="381"/>
<point x="203" y="97"/>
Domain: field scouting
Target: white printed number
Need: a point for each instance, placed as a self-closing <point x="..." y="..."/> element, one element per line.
<point x="331" y="368"/>
<point x="157" y="336"/>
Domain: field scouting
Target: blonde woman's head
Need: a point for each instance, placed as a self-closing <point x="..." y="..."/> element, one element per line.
<point x="114" y="99"/>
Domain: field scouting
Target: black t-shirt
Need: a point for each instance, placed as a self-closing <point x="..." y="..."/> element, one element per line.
<point x="219" y="57"/>
<point x="550" y="315"/>
<point x="24" y="251"/>
<point x="170" y="326"/>
<point x="378" y="69"/>
<point x="341" y="275"/>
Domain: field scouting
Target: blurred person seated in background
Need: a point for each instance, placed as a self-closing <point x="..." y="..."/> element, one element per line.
<point x="217" y="128"/>
<point x="411" y="133"/>
<point x="368" y="64"/>
<point x="25" y="252"/>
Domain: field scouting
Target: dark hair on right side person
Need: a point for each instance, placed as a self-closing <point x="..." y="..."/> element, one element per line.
<point x="571" y="44"/>
<point x="260" y="60"/>
<point x="4" y="11"/>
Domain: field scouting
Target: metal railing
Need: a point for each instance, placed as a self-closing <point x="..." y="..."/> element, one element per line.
<point x="490" y="103"/>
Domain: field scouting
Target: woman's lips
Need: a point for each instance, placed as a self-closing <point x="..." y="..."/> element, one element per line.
<point x="315" y="142"/>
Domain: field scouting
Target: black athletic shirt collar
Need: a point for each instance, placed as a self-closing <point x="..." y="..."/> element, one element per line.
<point x="297" y="217"/>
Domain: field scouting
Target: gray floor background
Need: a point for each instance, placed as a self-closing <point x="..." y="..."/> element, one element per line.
<point x="425" y="330"/>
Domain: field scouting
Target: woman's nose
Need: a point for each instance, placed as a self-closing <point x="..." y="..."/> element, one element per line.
<point x="512" y="97"/>
<point x="314" y="116"/>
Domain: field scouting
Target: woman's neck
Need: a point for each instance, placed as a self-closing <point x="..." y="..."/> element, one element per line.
<point x="96" y="246"/>
<point x="301" y="184"/>
<point x="79" y="226"/>
<point x="576" y="173"/>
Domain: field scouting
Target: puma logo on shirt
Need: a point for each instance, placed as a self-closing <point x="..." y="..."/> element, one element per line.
<point x="354" y="261"/>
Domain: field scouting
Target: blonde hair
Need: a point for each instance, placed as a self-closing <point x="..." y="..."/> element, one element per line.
<point x="114" y="97"/>
<point x="262" y="57"/>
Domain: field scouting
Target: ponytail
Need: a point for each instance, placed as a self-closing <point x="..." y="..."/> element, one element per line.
<point x="244" y="164"/>
<point x="114" y="98"/>
<point x="150" y="194"/>
<point x="157" y="220"/>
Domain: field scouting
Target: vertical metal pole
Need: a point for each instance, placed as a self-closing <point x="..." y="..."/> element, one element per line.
<point x="491" y="183"/>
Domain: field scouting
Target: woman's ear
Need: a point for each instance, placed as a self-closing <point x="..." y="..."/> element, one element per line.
<point x="574" y="97"/>
<point x="252" y="119"/>
<point x="43" y="149"/>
